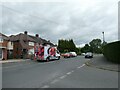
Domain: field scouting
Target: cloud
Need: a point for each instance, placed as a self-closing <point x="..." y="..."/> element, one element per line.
<point x="82" y="20"/>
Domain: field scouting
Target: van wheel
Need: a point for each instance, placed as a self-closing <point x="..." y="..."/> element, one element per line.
<point x="47" y="59"/>
<point x="59" y="58"/>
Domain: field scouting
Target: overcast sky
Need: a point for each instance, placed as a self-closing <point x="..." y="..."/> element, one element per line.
<point x="80" y="20"/>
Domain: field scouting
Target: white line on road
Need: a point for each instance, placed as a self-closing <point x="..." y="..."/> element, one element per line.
<point x="54" y="81"/>
<point x="69" y="73"/>
<point x="81" y="66"/>
<point x="62" y="77"/>
<point x="45" y="86"/>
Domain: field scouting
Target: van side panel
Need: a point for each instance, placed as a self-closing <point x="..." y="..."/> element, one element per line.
<point x="46" y="52"/>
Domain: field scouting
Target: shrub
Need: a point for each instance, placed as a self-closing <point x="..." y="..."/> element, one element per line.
<point x="112" y="51"/>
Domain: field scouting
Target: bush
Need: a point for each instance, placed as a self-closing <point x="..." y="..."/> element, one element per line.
<point x="112" y="51"/>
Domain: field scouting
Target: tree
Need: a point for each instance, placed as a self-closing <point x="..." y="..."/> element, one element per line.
<point x="78" y="51"/>
<point x="66" y="45"/>
<point x="85" y="49"/>
<point x="96" y="45"/>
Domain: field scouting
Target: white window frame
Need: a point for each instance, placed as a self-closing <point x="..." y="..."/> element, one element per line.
<point x="31" y="43"/>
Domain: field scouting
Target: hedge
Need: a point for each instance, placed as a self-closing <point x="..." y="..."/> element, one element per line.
<point x="112" y="51"/>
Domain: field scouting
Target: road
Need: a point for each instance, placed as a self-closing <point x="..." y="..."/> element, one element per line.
<point x="64" y="73"/>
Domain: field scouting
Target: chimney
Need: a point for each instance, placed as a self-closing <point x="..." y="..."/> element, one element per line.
<point x="37" y="35"/>
<point x="25" y="32"/>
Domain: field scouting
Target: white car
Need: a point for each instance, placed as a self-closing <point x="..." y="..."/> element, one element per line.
<point x="73" y="54"/>
<point x="89" y="55"/>
<point x="83" y="54"/>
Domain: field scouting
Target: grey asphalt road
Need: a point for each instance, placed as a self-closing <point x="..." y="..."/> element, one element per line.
<point x="64" y="73"/>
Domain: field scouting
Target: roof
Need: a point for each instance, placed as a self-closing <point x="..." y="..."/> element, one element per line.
<point x="24" y="37"/>
<point x="4" y="37"/>
<point x="37" y="39"/>
<point x="21" y="36"/>
<point x="41" y="40"/>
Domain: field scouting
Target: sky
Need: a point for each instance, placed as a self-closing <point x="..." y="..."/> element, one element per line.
<point x="80" y="20"/>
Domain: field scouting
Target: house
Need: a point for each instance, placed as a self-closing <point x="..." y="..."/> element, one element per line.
<point x="39" y="40"/>
<point x="3" y="46"/>
<point x="23" y="44"/>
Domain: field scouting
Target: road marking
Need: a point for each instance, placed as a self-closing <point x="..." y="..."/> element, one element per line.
<point x="45" y="86"/>
<point x="72" y="71"/>
<point x="62" y="77"/>
<point x="54" y="81"/>
<point x="81" y="66"/>
<point x="69" y="73"/>
<point x="78" y="67"/>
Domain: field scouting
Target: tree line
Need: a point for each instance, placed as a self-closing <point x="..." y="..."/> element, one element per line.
<point x="95" y="46"/>
<point x="66" y="45"/>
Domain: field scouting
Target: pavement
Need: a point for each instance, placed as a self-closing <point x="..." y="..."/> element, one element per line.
<point x="99" y="61"/>
<point x="13" y="60"/>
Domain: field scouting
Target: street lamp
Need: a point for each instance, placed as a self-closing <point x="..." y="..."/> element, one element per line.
<point x="103" y="37"/>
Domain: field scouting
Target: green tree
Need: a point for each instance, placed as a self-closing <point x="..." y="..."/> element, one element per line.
<point x="66" y="45"/>
<point x="86" y="48"/>
<point x="78" y="51"/>
<point x="96" y="45"/>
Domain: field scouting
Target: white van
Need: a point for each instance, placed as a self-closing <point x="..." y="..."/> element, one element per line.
<point x="46" y="53"/>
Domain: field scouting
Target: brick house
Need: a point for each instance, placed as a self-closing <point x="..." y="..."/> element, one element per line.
<point x="39" y="40"/>
<point x="3" y="46"/>
<point x="23" y="44"/>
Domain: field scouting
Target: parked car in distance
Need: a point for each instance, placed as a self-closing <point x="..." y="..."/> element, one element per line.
<point x="83" y="54"/>
<point x="66" y="55"/>
<point x="89" y="55"/>
<point x="73" y="54"/>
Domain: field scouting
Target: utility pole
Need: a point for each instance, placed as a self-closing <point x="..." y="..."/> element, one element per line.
<point x="103" y="38"/>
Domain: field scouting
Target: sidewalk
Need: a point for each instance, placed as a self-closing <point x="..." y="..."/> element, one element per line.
<point x="13" y="60"/>
<point x="99" y="61"/>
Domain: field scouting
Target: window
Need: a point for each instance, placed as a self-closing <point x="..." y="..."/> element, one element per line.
<point x="0" y="53"/>
<point x="1" y="39"/>
<point x="11" y="43"/>
<point x="31" y="51"/>
<point x="31" y="43"/>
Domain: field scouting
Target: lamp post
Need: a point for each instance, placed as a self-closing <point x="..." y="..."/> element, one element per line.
<point x="103" y="37"/>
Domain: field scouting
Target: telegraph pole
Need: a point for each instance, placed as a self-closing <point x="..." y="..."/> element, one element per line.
<point x="103" y="38"/>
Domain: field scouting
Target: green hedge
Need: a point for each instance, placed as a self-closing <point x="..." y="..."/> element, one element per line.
<point x="112" y="51"/>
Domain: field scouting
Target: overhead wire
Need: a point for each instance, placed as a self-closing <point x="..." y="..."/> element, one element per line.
<point x="32" y="15"/>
